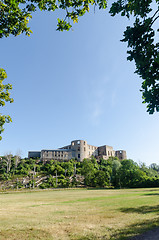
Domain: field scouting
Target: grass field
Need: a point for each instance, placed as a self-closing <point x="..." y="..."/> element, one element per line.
<point x="78" y="214"/>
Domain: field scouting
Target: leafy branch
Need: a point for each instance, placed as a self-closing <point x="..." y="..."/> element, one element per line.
<point x="144" y="51"/>
<point x="4" y="97"/>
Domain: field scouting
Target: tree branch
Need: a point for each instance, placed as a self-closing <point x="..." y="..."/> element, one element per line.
<point x="154" y="20"/>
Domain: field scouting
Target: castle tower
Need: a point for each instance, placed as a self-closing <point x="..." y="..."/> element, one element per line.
<point x="80" y="148"/>
<point x="121" y="154"/>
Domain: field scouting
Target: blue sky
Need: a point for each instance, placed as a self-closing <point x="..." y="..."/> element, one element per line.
<point x="75" y="85"/>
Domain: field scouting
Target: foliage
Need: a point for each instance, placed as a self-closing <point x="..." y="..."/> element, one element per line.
<point x="4" y="97"/>
<point x="154" y="167"/>
<point x="144" y="48"/>
<point x="101" y="179"/>
<point x="14" y="19"/>
<point x="52" y="182"/>
<point x="90" y="173"/>
<point x="15" y="15"/>
<point x="115" y="177"/>
<point x="130" y="174"/>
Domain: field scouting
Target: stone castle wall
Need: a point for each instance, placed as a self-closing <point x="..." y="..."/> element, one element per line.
<point x="79" y="149"/>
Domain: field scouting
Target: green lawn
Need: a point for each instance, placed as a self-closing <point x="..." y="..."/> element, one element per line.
<point x="78" y="214"/>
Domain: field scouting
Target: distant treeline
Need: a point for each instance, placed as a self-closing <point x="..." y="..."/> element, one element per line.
<point x="112" y="173"/>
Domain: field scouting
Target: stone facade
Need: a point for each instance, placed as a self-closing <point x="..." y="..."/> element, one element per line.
<point x="106" y="151"/>
<point x="82" y="149"/>
<point x="78" y="149"/>
<point x="121" y="154"/>
<point x="59" y="155"/>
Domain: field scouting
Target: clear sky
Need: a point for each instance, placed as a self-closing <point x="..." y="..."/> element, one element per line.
<point x="76" y="85"/>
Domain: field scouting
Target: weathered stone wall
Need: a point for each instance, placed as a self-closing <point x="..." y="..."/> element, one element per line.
<point x="106" y="150"/>
<point x="60" y="155"/>
<point x="121" y="154"/>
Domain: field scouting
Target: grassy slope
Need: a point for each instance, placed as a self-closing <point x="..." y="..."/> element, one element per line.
<point x="78" y="214"/>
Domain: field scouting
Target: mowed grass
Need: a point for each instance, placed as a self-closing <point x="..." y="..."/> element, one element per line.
<point x="78" y="214"/>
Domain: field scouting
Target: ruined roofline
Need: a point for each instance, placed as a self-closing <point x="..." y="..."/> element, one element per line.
<point x="105" y="146"/>
<point x="120" y="150"/>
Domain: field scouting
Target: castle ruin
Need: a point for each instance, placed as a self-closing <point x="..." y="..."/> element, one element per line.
<point x="78" y="149"/>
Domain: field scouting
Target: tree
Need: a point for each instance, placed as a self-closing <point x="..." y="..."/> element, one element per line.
<point x="15" y="16"/>
<point x="88" y="171"/>
<point x="153" y="170"/>
<point x="154" y="166"/>
<point x="17" y="157"/>
<point x="144" y="48"/>
<point x="14" y="19"/>
<point x="115" y="179"/>
<point x="130" y="174"/>
<point x="4" y="97"/>
<point x="101" y="179"/>
<point x="69" y="167"/>
<point x="8" y="160"/>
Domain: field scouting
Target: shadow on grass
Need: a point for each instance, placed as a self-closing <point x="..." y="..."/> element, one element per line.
<point x="127" y="233"/>
<point x="152" y="190"/>
<point x="135" y="229"/>
<point x="141" y="210"/>
<point x="151" y="194"/>
<point x="130" y="231"/>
